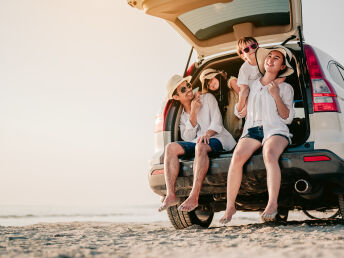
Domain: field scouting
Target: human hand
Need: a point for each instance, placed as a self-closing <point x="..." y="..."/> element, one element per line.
<point x="196" y="103"/>
<point x="197" y="94"/>
<point x="243" y="111"/>
<point x="224" y="74"/>
<point x="204" y="139"/>
<point x="273" y="89"/>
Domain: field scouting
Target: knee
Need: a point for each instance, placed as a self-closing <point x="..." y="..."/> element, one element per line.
<point x="269" y="156"/>
<point x="172" y="149"/>
<point x="201" y="149"/>
<point x="239" y="158"/>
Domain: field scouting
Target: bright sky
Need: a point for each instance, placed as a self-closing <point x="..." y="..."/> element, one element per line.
<point x="80" y="84"/>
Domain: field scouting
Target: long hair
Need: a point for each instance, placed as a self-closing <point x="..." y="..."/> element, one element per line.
<point x="221" y="94"/>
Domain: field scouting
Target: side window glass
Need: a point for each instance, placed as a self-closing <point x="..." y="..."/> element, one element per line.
<point x="336" y="75"/>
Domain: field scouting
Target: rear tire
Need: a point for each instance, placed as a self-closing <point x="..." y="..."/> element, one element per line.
<point x="282" y="215"/>
<point x="329" y="214"/>
<point x="183" y="219"/>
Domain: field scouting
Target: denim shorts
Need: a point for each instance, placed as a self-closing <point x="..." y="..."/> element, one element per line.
<point x="257" y="133"/>
<point x="189" y="147"/>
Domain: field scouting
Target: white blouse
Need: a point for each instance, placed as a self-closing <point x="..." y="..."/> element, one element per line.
<point x="271" y="120"/>
<point x="208" y="118"/>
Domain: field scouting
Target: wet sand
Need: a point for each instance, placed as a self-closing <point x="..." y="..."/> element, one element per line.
<point x="240" y="239"/>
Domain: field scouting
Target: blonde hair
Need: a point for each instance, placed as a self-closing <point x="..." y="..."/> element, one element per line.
<point x="242" y="42"/>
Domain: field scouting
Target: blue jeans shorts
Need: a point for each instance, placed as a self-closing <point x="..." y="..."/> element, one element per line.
<point x="189" y="147"/>
<point x="257" y="133"/>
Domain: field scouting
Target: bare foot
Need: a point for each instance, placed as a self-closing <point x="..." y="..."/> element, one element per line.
<point x="189" y="204"/>
<point x="269" y="213"/>
<point x="169" y="201"/>
<point x="230" y="211"/>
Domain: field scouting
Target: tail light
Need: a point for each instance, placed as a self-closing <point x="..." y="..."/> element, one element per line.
<point x="315" y="158"/>
<point x="191" y="69"/>
<point x="158" y="172"/>
<point x="161" y="118"/>
<point x="324" y="96"/>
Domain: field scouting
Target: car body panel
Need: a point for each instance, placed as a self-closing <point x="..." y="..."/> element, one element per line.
<point x="199" y="22"/>
<point x="254" y="178"/>
<point x="327" y="128"/>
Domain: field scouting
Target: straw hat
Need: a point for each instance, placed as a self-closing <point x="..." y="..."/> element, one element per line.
<point x="174" y="82"/>
<point x="262" y="53"/>
<point x="208" y="74"/>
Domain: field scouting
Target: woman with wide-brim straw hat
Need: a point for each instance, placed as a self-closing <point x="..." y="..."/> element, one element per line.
<point x="226" y="93"/>
<point x="269" y="110"/>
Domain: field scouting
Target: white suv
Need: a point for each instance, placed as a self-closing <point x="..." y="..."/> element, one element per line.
<point x="313" y="165"/>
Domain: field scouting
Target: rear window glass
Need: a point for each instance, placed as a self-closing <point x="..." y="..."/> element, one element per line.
<point x="217" y="19"/>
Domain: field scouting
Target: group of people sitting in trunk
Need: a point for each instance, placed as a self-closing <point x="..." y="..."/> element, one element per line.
<point x="261" y="96"/>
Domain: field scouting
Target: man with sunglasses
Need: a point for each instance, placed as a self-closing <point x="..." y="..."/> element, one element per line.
<point x="202" y="131"/>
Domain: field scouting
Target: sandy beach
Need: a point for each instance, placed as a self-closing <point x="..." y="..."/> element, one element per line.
<point x="243" y="238"/>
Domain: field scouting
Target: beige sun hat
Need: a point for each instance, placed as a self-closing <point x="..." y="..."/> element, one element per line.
<point x="262" y="53"/>
<point x="208" y="74"/>
<point x="174" y="82"/>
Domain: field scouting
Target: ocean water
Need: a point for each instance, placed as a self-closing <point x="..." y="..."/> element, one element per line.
<point x="27" y="215"/>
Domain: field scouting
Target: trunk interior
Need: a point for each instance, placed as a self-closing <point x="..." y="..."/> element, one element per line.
<point x="231" y="64"/>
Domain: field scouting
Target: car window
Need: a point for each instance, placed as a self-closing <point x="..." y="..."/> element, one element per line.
<point x="217" y="19"/>
<point x="336" y="75"/>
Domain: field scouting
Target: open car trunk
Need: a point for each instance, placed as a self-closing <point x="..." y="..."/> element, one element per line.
<point x="214" y="26"/>
<point x="231" y="64"/>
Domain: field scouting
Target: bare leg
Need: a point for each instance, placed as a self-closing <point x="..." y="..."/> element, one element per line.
<point x="171" y="170"/>
<point x="272" y="150"/>
<point x="243" y="151"/>
<point x="201" y="165"/>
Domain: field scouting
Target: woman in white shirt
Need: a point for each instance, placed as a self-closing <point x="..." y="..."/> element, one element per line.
<point x="269" y="110"/>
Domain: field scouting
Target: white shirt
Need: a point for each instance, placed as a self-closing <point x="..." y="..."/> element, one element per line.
<point x="208" y="118"/>
<point x="271" y="120"/>
<point x="248" y="74"/>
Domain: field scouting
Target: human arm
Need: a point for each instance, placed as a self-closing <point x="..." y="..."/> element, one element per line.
<point x="244" y="89"/>
<point x="283" y="100"/>
<point x="233" y="84"/>
<point x="216" y="124"/>
<point x="188" y="132"/>
<point x="195" y="106"/>
<point x="243" y="94"/>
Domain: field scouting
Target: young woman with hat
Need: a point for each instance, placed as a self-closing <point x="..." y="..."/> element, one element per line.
<point x="226" y="93"/>
<point x="269" y="110"/>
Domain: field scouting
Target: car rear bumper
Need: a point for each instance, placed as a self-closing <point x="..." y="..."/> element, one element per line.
<point x="292" y="163"/>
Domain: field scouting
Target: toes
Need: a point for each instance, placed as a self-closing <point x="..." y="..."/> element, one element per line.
<point x="187" y="208"/>
<point x="269" y="217"/>
<point x="225" y="220"/>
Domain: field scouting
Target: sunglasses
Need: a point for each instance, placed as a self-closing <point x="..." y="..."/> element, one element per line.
<point x="184" y="88"/>
<point x="252" y="46"/>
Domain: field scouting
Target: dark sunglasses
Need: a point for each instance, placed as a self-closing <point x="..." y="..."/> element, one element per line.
<point x="184" y="88"/>
<point x="252" y="46"/>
